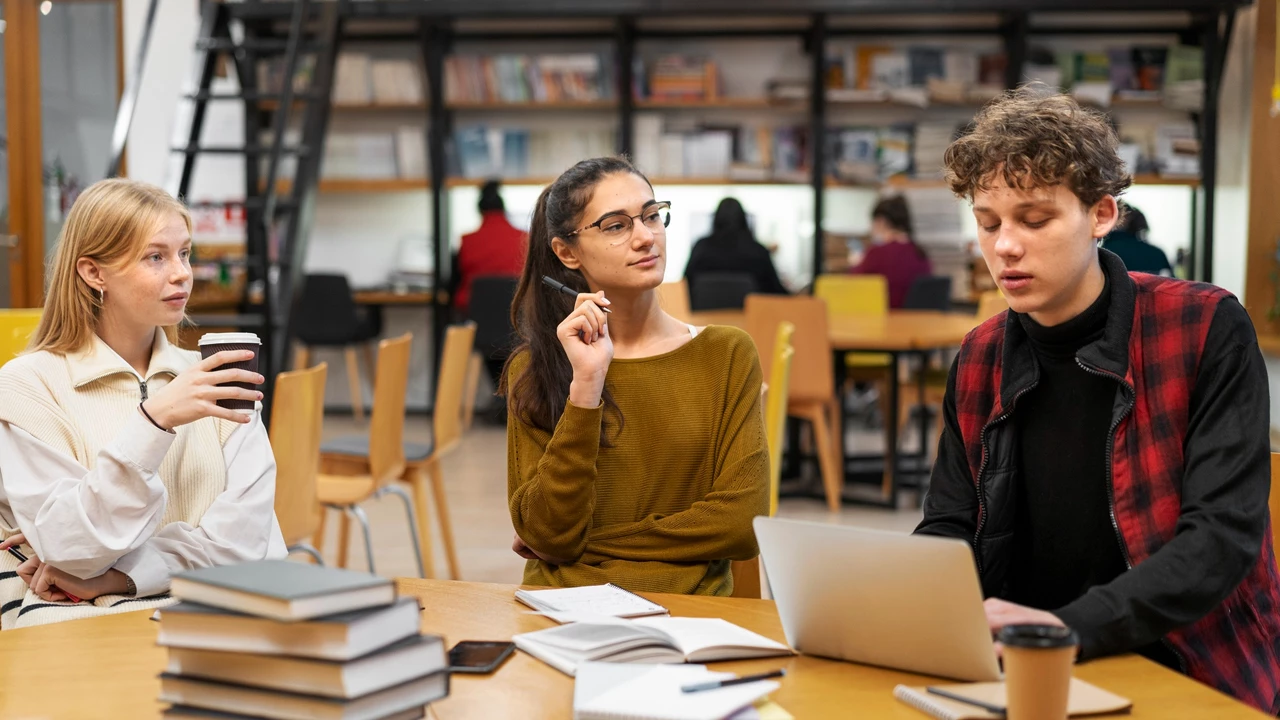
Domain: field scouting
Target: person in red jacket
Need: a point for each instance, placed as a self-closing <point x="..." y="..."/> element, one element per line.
<point x="1105" y="446"/>
<point x="495" y="248"/>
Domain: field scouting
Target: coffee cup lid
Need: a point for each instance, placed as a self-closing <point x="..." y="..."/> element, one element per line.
<point x="1038" y="636"/>
<point x="231" y="338"/>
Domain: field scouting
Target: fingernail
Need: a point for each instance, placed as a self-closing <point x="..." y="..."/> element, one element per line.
<point x="259" y="396"/>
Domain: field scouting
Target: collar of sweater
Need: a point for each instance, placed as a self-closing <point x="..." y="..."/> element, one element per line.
<point x="99" y="361"/>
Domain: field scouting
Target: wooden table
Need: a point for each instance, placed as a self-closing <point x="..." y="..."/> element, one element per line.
<point x="386" y="296"/>
<point x="896" y="333"/>
<point x="106" y="667"/>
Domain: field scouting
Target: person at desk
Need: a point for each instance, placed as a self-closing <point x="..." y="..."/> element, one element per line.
<point x="732" y="248"/>
<point x="893" y="253"/>
<point x="1105" y="449"/>
<point x="636" y="449"/>
<point x="1129" y="241"/>
<point x="117" y="468"/>
<point x="494" y="248"/>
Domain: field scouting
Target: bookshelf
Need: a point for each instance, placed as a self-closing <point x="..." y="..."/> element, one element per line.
<point x="563" y="105"/>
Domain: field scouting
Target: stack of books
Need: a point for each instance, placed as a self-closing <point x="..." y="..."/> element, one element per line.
<point x="680" y="78"/>
<point x="283" y="640"/>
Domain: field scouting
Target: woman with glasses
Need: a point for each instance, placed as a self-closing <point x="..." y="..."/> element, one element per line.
<point x="635" y="444"/>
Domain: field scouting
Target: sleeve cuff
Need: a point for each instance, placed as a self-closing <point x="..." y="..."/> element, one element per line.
<point x="1087" y="615"/>
<point x="142" y="443"/>
<point x="147" y="569"/>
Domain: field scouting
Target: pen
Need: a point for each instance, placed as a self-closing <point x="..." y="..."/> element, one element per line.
<point x="996" y="709"/>
<point x="713" y="684"/>
<point x="23" y="558"/>
<point x="551" y="282"/>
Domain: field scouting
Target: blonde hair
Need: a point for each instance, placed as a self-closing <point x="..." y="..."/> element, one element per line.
<point x="110" y="223"/>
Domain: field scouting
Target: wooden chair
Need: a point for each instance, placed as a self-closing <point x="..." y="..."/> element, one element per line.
<point x="475" y="366"/>
<point x="345" y="481"/>
<point x="674" y="299"/>
<point x="418" y="464"/>
<point x="16" y="327"/>
<point x="811" y="393"/>
<point x="746" y="573"/>
<point x="297" y="419"/>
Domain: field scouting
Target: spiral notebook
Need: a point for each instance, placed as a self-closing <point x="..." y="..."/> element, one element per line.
<point x="608" y="691"/>
<point x="1086" y="700"/>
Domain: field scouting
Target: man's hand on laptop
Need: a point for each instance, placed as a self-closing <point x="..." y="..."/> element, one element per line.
<point x="1001" y="613"/>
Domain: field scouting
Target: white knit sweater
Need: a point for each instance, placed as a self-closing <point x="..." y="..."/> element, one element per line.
<point x="93" y="485"/>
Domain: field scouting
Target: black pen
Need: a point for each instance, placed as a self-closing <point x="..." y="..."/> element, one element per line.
<point x="554" y="285"/>
<point x="23" y="558"/>
<point x="996" y="709"/>
<point x="713" y="684"/>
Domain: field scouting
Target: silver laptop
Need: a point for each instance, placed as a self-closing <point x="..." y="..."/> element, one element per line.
<point x="899" y="601"/>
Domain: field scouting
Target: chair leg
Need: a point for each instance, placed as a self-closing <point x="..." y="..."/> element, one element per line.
<point x="413" y="522"/>
<point x="370" y="363"/>
<point x="344" y="536"/>
<point x="832" y="481"/>
<point x="442" y="509"/>
<point x="302" y="358"/>
<point x="418" y="481"/>
<point x="353" y="378"/>
<point x="306" y="548"/>
<point x="368" y="534"/>
<point x="317" y="540"/>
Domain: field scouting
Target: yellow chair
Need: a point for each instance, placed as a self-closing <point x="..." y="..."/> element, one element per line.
<point x="775" y="414"/>
<point x="297" y="419"/>
<point x="674" y="299"/>
<point x="16" y="327"/>
<point x="853" y="294"/>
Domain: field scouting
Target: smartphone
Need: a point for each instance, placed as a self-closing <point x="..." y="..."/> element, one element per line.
<point x="479" y="656"/>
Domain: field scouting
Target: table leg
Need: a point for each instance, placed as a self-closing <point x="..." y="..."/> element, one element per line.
<point x="889" y="487"/>
<point x="923" y="467"/>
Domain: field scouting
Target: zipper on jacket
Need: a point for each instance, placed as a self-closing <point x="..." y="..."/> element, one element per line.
<point x="982" y="466"/>
<point x="1111" y="493"/>
<point x="142" y="385"/>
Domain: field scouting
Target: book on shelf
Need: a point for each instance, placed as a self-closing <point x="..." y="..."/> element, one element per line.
<point x="1148" y="63"/>
<point x="343" y="636"/>
<point x="684" y="78"/>
<point x="396" y="82"/>
<point x="412" y="154"/>
<point x="893" y="153"/>
<point x="648" y="639"/>
<point x="282" y="590"/>
<point x="360" y="155"/>
<point x="890" y="70"/>
<point x="925" y="63"/>
<point x="352" y="79"/>
<point x="259" y="703"/>
<point x="518" y="78"/>
<point x="400" y="662"/>
<point x="864" y="64"/>
<point x="480" y="151"/>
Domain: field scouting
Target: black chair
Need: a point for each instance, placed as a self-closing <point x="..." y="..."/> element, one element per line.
<point x="490" y="310"/>
<point x="720" y="291"/>
<point x="328" y="316"/>
<point x="932" y="292"/>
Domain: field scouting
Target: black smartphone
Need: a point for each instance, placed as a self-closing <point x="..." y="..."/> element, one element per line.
<point x="479" y="656"/>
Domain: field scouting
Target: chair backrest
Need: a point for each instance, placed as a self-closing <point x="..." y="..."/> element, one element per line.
<point x="446" y="421"/>
<point x="386" y="420"/>
<point x="720" y="291"/>
<point x="775" y="414"/>
<point x="674" y="299"/>
<point x="16" y="327"/>
<point x="853" y="294"/>
<point x="297" y="420"/>
<point x="930" y="292"/>
<point x="990" y="304"/>
<point x="326" y="313"/>
<point x="490" y="310"/>
<point x="1274" y="500"/>
<point x="812" y="376"/>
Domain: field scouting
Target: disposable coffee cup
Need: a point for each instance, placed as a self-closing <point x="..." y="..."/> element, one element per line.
<point x="1037" y="670"/>
<point x="212" y="343"/>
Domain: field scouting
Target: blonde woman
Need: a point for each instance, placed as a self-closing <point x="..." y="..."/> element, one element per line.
<point x="117" y="467"/>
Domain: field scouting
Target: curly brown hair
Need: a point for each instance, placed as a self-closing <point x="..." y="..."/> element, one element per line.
<point x="1035" y="137"/>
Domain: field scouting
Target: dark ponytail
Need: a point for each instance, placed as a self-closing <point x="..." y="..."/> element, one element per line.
<point x="538" y="396"/>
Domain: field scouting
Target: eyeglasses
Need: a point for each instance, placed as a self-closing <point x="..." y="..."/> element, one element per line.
<point x="616" y="228"/>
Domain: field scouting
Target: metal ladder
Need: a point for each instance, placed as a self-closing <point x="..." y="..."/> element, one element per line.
<point x="279" y="216"/>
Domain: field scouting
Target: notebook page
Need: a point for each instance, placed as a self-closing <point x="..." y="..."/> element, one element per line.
<point x="656" y="694"/>
<point x="695" y="635"/>
<point x="590" y="600"/>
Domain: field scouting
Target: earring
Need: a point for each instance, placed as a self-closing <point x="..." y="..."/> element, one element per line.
<point x="102" y="295"/>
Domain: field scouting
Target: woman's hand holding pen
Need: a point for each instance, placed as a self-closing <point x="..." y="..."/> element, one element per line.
<point x="585" y="337"/>
<point x="53" y="585"/>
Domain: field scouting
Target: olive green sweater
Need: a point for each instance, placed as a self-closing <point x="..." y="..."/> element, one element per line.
<point x="670" y="503"/>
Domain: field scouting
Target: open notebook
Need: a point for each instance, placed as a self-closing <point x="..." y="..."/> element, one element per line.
<point x="646" y="640"/>
<point x="606" y="691"/>
<point x="1085" y="700"/>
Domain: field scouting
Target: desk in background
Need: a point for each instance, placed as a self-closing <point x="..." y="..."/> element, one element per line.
<point x="107" y="667"/>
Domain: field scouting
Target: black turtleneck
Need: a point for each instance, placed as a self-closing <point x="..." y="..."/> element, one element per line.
<point x="1065" y="541"/>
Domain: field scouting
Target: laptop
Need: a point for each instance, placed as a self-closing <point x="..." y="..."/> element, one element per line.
<point x="906" y="602"/>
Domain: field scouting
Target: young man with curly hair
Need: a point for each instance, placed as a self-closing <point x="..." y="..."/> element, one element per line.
<point x="1105" y="447"/>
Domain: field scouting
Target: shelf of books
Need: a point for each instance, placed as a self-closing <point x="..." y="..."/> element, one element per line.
<point x="361" y="185"/>
<point x="520" y="106"/>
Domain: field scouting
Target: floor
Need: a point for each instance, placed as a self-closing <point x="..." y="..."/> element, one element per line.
<point x="476" y="485"/>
